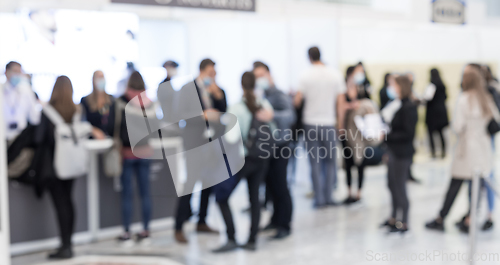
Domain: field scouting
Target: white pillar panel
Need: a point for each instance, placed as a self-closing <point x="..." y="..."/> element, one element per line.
<point x="4" y="204"/>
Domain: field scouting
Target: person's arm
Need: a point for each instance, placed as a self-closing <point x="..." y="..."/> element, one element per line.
<point x="341" y="110"/>
<point x="408" y="131"/>
<point x="287" y="115"/>
<point x="297" y="100"/>
<point x="41" y="130"/>
<point x="266" y="113"/>
<point x="458" y="122"/>
<point x="342" y="104"/>
<point x="34" y="113"/>
<point x="110" y="126"/>
<point x="219" y="101"/>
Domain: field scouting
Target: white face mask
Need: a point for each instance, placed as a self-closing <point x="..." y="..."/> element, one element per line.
<point x="359" y="78"/>
<point x="100" y="84"/>
<point x="262" y="83"/>
<point x="259" y="93"/>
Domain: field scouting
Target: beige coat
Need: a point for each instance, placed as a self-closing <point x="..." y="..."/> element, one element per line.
<point x="473" y="152"/>
<point x="355" y="140"/>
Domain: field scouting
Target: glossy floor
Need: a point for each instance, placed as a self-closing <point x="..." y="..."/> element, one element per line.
<point x="336" y="235"/>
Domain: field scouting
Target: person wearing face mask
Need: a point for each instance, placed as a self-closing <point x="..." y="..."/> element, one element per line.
<point x="97" y="104"/>
<point x="212" y="99"/>
<point x="20" y="104"/>
<point x="171" y="68"/>
<point x="400" y="152"/>
<point x="352" y="104"/>
<point x="361" y="80"/>
<point x="276" y="177"/>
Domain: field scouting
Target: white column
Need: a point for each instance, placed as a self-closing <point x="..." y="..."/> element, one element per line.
<point x="4" y="204"/>
<point x="473" y="216"/>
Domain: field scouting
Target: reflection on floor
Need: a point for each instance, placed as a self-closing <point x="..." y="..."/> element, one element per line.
<point x="336" y="235"/>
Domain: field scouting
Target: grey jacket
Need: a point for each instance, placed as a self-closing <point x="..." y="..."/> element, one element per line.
<point x="284" y="114"/>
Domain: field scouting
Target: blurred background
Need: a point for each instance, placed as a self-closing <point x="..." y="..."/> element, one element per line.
<point x="76" y="37"/>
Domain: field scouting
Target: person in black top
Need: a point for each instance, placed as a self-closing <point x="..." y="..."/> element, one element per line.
<point x="385" y="97"/>
<point x="212" y="99"/>
<point x="96" y="105"/>
<point x="136" y="162"/>
<point x="276" y="177"/>
<point x="436" y="117"/>
<point x="171" y="68"/>
<point x="400" y="151"/>
<point x="362" y="80"/>
<point x="60" y="190"/>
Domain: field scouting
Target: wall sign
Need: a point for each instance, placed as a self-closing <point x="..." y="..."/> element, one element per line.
<point x="448" y="11"/>
<point x="237" y="5"/>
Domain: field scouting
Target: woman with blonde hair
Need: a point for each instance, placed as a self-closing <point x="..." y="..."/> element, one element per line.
<point x="474" y="111"/>
<point x="97" y="104"/>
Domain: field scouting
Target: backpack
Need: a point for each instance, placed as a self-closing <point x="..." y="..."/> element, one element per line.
<point x="71" y="158"/>
<point x="259" y="141"/>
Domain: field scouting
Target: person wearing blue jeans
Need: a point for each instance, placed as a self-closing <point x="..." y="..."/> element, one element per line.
<point x="141" y="169"/>
<point x="490" y="195"/>
<point x="321" y="150"/>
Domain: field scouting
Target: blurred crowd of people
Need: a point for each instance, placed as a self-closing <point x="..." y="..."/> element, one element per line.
<point x="326" y="108"/>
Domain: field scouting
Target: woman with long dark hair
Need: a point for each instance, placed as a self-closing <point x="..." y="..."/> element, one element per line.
<point x="436" y="116"/>
<point x="353" y="103"/>
<point x="384" y="94"/>
<point x="248" y="109"/>
<point x="400" y="152"/>
<point x="473" y="153"/>
<point x="61" y="190"/>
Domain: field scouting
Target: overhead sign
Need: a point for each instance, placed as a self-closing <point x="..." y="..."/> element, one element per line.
<point x="448" y="11"/>
<point x="237" y="5"/>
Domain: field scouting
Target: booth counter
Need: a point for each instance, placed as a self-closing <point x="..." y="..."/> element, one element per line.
<point x="33" y="224"/>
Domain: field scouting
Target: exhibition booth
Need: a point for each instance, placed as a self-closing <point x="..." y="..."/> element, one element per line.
<point x="75" y="38"/>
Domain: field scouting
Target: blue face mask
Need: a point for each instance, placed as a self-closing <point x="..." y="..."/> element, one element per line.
<point x="262" y="83"/>
<point x="391" y="93"/>
<point x="207" y="81"/>
<point x="15" y="80"/>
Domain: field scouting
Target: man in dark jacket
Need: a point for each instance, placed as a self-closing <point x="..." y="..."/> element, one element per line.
<point x="276" y="178"/>
<point x="212" y="99"/>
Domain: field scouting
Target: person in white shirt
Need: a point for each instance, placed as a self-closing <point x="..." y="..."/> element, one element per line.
<point x="320" y="87"/>
<point x="20" y="105"/>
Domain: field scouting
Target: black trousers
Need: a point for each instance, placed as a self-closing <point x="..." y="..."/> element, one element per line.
<point x="61" y="192"/>
<point x="431" y="140"/>
<point x="254" y="171"/>
<point x="398" y="174"/>
<point x="452" y="193"/>
<point x="277" y="186"/>
<point x="184" y="212"/>
<point x="349" y="163"/>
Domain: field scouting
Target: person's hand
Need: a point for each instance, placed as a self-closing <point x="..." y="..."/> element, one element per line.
<point x="215" y="91"/>
<point x="98" y="134"/>
<point x="354" y="105"/>
<point x="382" y="136"/>
<point x="264" y="115"/>
<point x="211" y="114"/>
